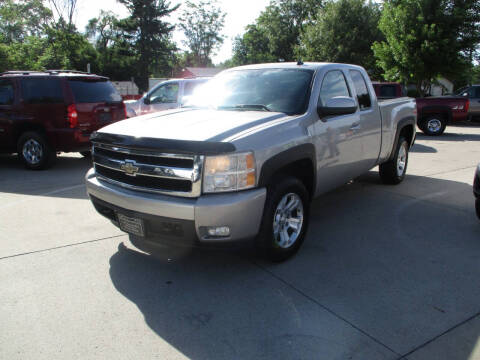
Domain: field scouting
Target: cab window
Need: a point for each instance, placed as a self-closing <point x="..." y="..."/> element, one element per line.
<point x="333" y="85"/>
<point x="167" y="93"/>
<point x="361" y="89"/>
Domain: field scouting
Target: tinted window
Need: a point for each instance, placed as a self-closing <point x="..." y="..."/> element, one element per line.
<point x="363" y="96"/>
<point x="6" y="92"/>
<point x="477" y="91"/>
<point x="333" y="85"/>
<point x="42" y="91"/>
<point x="166" y="93"/>
<point x="93" y="91"/>
<point x="279" y="90"/>
<point x="388" y="91"/>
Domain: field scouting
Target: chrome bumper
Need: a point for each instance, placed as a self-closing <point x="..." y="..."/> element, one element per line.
<point x="241" y="211"/>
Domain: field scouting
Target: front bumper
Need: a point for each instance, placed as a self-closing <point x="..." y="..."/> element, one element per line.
<point x="181" y="220"/>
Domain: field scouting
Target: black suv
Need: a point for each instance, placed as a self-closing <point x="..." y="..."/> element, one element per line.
<point x="42" y="113"/>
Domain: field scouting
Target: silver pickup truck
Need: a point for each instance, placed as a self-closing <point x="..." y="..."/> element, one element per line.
<point x="244" y="161"/>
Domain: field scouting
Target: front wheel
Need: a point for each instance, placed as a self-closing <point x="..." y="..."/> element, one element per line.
<point x="394" y="171"/>
<point x="433" y="125"/>
<point x="285" y="219"/>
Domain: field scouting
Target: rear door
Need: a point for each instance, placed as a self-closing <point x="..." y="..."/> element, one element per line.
<point x="43" y="101"/>
<point x="7" y="114"/>
<point x="370" y="125"/>
<point x="97" y="102"/>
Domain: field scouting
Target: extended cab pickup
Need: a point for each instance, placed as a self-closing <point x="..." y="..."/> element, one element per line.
<point x="245" y="160"/>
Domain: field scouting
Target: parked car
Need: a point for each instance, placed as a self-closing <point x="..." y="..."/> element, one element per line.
<point x="42" y="113"/>
<point x="169" y="94"/>
<point x="473" y="94"/>
<point x="262" y="142"/>
<point x="476" y="190"/>
<point x="434" y="113"/>
<point x="389" y="90"/>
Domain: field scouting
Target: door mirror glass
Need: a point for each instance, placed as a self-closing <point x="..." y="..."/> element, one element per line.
<point x="339" y="105"/>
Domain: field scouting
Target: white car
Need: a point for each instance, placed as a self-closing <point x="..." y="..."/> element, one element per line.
<point x="168" y="94"/>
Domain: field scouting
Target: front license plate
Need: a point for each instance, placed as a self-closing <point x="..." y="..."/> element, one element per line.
<point x="131" y="225"/>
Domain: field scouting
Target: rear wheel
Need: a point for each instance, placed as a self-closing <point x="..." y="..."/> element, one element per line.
<point x="393" y="171"/>
<point x="433" y="125"/>
<point x="34" y="150"/>
<point x="285" y="219"/>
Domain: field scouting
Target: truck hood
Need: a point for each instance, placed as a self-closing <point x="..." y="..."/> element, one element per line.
<point x="192" y="124"/>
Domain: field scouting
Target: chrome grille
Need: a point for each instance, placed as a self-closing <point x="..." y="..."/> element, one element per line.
<point x="143" y="170"/>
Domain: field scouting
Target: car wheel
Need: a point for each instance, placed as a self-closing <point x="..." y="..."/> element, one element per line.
<point x="477" y="207"/>
<point x="285" y="219"/>
<point x="86" y="154"/>
<point x="393" y="171"/>
<point x="433" y="125"/>
<point x="35" y="152"/>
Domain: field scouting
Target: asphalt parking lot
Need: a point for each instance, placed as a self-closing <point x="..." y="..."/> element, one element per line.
<point x="386" y="272"/>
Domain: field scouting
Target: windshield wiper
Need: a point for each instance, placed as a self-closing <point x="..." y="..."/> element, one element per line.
<point x="247" y="107"/>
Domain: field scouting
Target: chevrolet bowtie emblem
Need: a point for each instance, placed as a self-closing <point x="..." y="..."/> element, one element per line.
<point x="129" y="167"/>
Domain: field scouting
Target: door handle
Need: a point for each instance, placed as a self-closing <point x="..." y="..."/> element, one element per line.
<point x="355" y="126"/>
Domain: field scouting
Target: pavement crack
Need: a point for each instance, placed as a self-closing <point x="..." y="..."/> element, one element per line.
<point x="403" y="357"/>
<point x="313" y="300"/>
<point x="60" y="247"/>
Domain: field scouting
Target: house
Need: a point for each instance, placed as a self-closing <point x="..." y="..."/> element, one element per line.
<point x="193" y="72"/>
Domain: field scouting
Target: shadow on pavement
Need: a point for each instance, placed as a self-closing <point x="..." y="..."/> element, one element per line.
<point x="448" y="136"/>
<point x="400" y="263"/>
<point x="419" y="148"/>
<point x="64" y="179"/>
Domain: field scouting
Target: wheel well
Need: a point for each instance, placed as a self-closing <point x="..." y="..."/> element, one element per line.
<point x="28" y="127"/>
<point x="407" y="131"/>
<point x="301" y="169"/>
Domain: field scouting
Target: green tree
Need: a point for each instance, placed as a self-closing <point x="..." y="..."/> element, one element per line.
<point x="202" y="24"/>
<point x="22" y="18"/>
<point x="150" y="37"/>
<point x="276" y="31"/>
<point x="425" y="39"/>
<point x="344" y="31"/>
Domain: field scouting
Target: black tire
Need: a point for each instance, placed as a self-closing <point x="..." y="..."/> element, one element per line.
<point x="86" y="154"/>
<point x="266" y="241"/>
<point x="393" y="172"/>
<point x="477" y="207"/>
<point x="34" y="151"/>
<point x="433" y="125"/>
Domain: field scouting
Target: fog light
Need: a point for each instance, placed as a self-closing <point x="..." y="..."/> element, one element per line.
<point x="218" y="231"/>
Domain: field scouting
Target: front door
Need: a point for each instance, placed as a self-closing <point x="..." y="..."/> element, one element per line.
<point x="336" y="139"/>
<point x="161" y="98"/>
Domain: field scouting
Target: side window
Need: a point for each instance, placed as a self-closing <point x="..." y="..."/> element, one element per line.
<point x="6" y="92"/>
<point x="361" y="89"/>
<point x="477" y="92"/>
<point x="42" y="91"/>
<point x="167" y="93"/>
<point x="333" y="85"/>
<point x="191" y="86"/>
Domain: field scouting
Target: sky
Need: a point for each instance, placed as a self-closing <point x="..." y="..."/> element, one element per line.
<point x="239" y="13"/>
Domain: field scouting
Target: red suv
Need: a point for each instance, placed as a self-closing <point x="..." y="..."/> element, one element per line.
<point x="42" y="113"/>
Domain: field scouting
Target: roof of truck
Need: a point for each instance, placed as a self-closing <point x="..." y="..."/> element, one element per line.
<point x="71" y="73"/>
<point x="295" y="65"/>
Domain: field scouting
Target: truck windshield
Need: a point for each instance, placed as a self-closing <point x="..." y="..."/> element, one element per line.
<point x="278" y="90"/>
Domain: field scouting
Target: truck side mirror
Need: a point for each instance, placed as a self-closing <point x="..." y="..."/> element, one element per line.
<point x="146" y="100"/>
<point x="339" y="105"/>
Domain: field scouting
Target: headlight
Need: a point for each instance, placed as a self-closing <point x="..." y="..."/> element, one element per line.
<point x="229" y="172"/>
